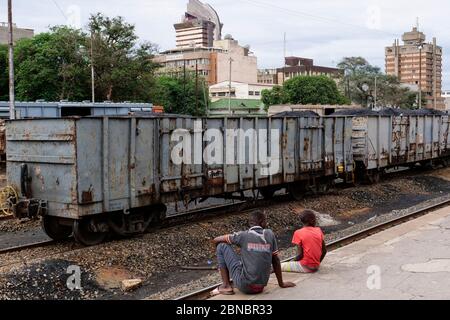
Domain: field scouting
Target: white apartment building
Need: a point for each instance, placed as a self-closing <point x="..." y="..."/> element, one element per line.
<point x="239" y="90"/>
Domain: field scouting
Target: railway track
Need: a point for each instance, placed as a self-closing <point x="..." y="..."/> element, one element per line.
<point x="172" y="220"/>
<point x="204" y="293"/>
<point x="39" y="244"/>
<point x="199" y="214"/>
<point x="8" y="217"/>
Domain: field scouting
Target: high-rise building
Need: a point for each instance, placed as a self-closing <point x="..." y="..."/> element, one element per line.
<point x="199" y="27"/>
<point x="18" y="33"/>
<point x="419" y="64"/>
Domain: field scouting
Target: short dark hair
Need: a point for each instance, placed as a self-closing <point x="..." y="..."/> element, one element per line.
<point x="308" y="217"/>
<point x="257" y="217"/>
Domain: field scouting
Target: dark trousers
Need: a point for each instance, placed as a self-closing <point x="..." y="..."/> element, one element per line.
<point x="229" y="259"/>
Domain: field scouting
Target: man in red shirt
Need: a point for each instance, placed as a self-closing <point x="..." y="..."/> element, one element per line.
<point x="311" y="246"/>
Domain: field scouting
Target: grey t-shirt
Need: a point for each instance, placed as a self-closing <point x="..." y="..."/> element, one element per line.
<point x="257" y="245"/>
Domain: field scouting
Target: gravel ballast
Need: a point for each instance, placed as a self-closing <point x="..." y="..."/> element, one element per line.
<point x="157" y="258"/>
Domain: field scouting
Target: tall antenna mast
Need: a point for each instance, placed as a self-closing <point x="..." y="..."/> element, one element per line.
<point x="284" y="49"/>
<point x="417" y="23"/>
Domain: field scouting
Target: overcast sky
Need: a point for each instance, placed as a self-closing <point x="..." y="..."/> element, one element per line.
<point x="325" y="30"/>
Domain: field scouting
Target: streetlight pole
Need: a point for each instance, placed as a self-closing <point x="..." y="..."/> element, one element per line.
<point x="229" y="88"/>
<point x="12" y="98"/>
<point x="92" y="68"/>
<point x="420" y="76"/>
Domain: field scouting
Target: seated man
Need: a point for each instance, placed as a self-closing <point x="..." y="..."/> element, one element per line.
<point x="310" y="245"/>
<point x="251" y="270"/>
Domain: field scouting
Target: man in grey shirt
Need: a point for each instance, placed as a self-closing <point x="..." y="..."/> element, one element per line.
<point x="259" y="252"/>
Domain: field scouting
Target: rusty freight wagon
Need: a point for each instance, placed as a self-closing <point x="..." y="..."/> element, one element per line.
<point x="96" y="175"/>
<point x="393" y="137"/>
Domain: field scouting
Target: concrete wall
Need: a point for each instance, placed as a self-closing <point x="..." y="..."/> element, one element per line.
<point x="18" y="34"/>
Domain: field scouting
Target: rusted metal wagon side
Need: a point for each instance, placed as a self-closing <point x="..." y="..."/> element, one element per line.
<point x="101" y="174"/>
<point x="392" y="138"/>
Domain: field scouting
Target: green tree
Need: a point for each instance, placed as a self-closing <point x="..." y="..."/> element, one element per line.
<point x="313" y="90"/>
<point x="4" y="82"/>
<point x="124" y="70"/>
<point x="305" y="90"/>
<point x="273" y="97"/>
<point x="358" y="78"/>
<point x="181" y="95"/>
<point x="52" y="66"/>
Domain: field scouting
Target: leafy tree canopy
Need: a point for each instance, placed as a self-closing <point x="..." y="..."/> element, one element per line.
<point x="181" y="95"/>
<point x="56" y="65"/>
<point x="305" y="90"/>
<point x="4" y="87"/>
<point x="358" y="82"/>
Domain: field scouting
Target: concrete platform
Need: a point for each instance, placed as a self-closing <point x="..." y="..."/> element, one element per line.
<point x="409" y="261"/>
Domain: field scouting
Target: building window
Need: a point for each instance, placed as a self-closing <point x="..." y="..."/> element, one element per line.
<point x="257" y="93"/>
<point x="251" y="93"/>
<point x="222" y="94"/>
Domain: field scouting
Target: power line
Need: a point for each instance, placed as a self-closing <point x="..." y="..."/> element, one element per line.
<point x="263" y="4"/>
<point x="59" y="8"/>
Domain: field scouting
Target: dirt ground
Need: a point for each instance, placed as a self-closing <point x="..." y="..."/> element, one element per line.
<point x="157" y="258"/>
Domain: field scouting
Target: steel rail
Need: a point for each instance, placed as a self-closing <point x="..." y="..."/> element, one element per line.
<point x="38" y="244"/>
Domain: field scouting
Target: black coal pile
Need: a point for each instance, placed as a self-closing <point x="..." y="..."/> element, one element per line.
<point x="49" y="280"/>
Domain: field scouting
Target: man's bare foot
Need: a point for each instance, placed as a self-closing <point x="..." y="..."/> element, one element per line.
<point x="226" y="291"/>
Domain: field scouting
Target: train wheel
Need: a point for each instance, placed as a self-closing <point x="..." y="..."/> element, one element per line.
<point x="267" y="193"/>
<point x="85" y="233"/>
<point x="297" y="191"/>
<point x="374" y="177"/>
<point x="159" y="213"/>
<point x="54" y="229"/>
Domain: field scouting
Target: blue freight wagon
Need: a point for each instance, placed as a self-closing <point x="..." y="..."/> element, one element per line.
<point x="42" y="109"/>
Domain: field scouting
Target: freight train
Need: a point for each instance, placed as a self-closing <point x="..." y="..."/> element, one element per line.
<point x="93" y="176"/>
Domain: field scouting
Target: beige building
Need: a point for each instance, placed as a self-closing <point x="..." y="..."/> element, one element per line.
<point x="268" y="76"/>
<point x="418" y="63"/>
<point x="199" y="27"/>
<point x="212" y="63"/>
<point x="200" y="50"/>
<point x="18" y="33"/>
<point x="294" y="67"/>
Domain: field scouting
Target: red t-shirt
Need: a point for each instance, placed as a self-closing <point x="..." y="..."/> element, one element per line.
<point x="311" y="240"/>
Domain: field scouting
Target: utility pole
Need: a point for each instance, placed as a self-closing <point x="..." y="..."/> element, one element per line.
<point x="229" y="88"/>
<point x="92" y="68"/>
<point x="12" y="98"/>
<point x="375" y="102"/>
<point x="420" y="76"/>
<point x="196" y="87"/>
<point x="184" y="85"/>
<point x="284" y="57"/>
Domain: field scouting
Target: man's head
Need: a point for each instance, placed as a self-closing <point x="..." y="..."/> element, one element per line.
<point x="258" y="218"/>
<point x="308" y="218"/>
